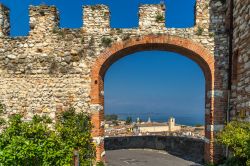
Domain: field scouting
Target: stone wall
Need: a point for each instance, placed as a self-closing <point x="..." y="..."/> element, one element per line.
<point x="53" y="68"/>
<point x="4" y="20"/>
<point x="187" y="148"/>
<point x="241" y="60"/>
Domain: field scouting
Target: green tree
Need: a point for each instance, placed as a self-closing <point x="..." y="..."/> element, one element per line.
<point x="236" y="135"/>
<point x="129" y="120"/>
<point x="111" y="117"/>
<point x="35" y="144"/>
<point x="198" y="125"/>
<point x="115" y="122"/>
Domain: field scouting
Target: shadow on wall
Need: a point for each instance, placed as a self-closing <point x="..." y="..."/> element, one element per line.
<point x="187" y="148"/>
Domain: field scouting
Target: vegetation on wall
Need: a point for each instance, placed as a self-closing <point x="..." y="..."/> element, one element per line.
<point x="199" y="31"/>
<point x="126" y="36"/>
<point x="119" y="31"/>
<point x="1" y="108"/>
<point x="236" y="135"/>
<point x="34" y="143"/>
<point x="106" y="42"/>
<point x="159" y="18"/>
<point x="2" y="121"/>
<point x="211" y="34"/>
<point x="60" y="32"/>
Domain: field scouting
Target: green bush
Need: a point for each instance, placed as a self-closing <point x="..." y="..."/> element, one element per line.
<point x="236" y="135"/>
<point x="1" y="108"/>
<point x="2" y="121"/>
<point x="159" y="18"/>
<point x="100" y="164"/>
<point x="106" y="42"/>
<point x="199" y="31"/>
<point x="35" y="144"/>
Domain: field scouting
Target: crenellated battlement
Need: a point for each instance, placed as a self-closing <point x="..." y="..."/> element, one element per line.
<point x="53" y="68"/>
<point x="152" y="16"/>
<point x="43" y="19"/>
<point x="96" y="19"/>
<point x="202" y="14"/>
<point x="50" y="47"/>
<point x="4" y="21"/>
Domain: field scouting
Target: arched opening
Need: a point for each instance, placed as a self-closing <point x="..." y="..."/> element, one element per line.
<point x="185" y="47"/>
<point x="155" y="85"/>
<point x="163" y="93"/>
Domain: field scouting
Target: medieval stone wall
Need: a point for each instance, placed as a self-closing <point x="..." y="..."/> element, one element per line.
<point x="50" y="69"/>
<point x="241" y="60"/>
<point x="4" y="20"/>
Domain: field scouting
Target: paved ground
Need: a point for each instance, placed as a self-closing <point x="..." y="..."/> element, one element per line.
<point x="144" y="158"/>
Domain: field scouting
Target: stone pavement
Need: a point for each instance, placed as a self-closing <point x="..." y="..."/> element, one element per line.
<point x="140" y="157"/>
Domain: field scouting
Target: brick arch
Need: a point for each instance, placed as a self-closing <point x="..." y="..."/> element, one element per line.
<point x="186" y="47"/>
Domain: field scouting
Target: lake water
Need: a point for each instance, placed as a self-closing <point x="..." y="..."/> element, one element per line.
<point x="183" y="120"/>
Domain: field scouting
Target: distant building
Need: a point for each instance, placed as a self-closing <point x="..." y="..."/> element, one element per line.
<point x="149" y="120"/>
<point x="138" y="120"/>
<point x="108" y="124"/>
<point x="157" y="127"/>
<point x="171" y="124"/>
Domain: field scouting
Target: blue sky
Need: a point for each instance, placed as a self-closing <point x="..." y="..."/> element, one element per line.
<point x="153" y="82"/>
<point x="156" y="84"/>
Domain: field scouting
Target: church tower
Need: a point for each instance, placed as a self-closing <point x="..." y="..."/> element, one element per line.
<point x="171" y="123"/>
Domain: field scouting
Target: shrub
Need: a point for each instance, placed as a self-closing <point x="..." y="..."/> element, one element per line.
<point x="125" y="37"/>
<point x="159" y="18"/>
<point x="211" y="34"/>
<point x="236" y="135"/>
<point x="60" y="32"/>
<point x="106" y="42"/>
<point x="2" y="121"/>
<point x="199" y="31"/>
<point x="119" y="31"/>
<point x="35" y="144"/>
<point x="1" y="108"/>
<point x="100" y="164"/>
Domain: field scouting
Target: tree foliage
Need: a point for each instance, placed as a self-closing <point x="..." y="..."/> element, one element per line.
<point x="111" y="117"/>
<point x="129" y="120"/>
<point x="34" y="143"/>
<point x="2" y="121"/>
<point x="236" y="135"/>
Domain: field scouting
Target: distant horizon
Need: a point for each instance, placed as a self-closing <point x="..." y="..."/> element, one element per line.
<point x="182" y="120"/>
<point x="133" y="88"/>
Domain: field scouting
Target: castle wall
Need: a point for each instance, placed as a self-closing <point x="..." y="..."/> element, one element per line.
<point x="62" y="56"/>
<point x="241" y="60"/>
<point x="50" y="69"/>
<point x="4" y="20"/>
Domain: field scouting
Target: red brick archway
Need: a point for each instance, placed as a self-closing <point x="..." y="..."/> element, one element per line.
<point x="186" y="47"/>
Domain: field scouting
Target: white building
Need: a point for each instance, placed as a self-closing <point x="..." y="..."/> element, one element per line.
<point x="158" y="127"/>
